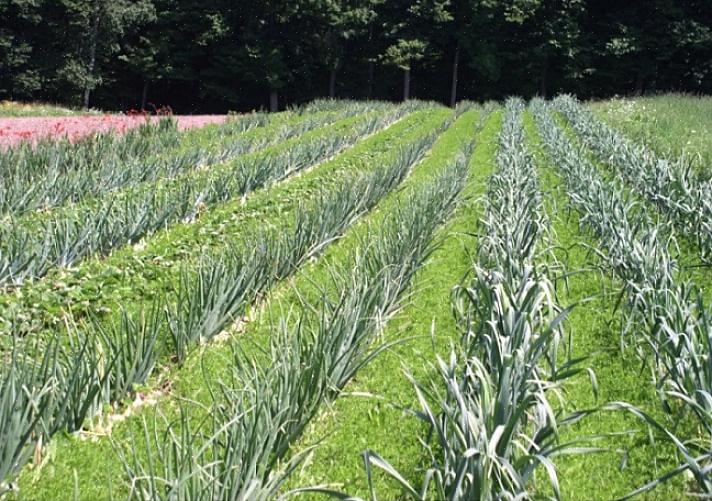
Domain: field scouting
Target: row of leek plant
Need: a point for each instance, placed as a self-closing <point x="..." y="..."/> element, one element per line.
<point x="672" y="185"/>
<point x="199" y="153"/>
<point x="27" y="162"/>
<point x="240" y="448"/>
<point x="31" y="249"/>
<point x="58" y="385"/>
<point x="676" y="324"/>
<point x="488" y="406"/>
<point x="48" y="176"/>
<point x="331" y="105"/>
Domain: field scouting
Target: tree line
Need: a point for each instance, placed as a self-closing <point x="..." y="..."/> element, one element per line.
<point x="214" y="55"/>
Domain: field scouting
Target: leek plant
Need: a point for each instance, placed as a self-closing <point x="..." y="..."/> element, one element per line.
<point x="29" y="249"/>
<point x="130" y="344"/>
<point x="487" y="406"/>
<point x="21" y="409"/>
<point x="336" y="105"/>
<point x="240" y="449"/>
<point x="675" y="322"/>
<point x="672" y="185"/>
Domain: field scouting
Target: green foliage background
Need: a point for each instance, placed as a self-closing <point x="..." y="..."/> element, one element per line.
<point x="215" y="55"/>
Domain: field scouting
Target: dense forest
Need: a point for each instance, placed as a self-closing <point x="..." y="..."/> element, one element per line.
<point x="218" y="55"/>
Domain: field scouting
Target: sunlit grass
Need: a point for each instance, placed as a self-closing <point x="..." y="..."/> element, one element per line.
<point x="670" y="124"/>
<point x="36" y="109"/>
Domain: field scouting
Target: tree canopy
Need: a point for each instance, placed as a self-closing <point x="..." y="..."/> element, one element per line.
<point x="215" y="55"/>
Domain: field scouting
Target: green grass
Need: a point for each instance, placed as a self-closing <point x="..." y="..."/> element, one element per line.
<point x="669" y="124"/>
<point x="380" y="421"/>
<point x="595" y="328"/>
<point x="20" y="109"/>
<point x="95" y="462"/>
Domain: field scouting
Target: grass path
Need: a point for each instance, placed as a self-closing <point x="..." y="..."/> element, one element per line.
<point x="596" y="329"/>
<point x="39" y="109"/>
<point x="95" y="461"/>
<point x="354" y="423"/>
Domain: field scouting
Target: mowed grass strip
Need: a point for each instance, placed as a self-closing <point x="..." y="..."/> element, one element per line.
<point x="38" y="109"/>
<point x="96" y="463"/>
<point x="143" y="272"/>
<point x="632" y="459"/>
<point x="374" y="411"/>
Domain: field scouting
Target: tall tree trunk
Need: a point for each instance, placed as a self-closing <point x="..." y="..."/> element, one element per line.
<point x="453" y="87"/>
<point x="371" y="64"/>
<point x="93" y="39"/>
<point x="371" y="67"/>
<point x="144" y="95"/>
<point x="544" y="76"/>
<point x="273" y="101"/>
<point x="406" y="84"/>
<point x="639" y="82"/>
<point x="332" y="82"/>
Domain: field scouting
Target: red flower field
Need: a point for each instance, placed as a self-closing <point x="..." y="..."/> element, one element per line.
<point x="16" y="130"/>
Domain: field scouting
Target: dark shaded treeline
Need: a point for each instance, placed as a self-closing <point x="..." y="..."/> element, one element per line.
<point x="214" y="55"/>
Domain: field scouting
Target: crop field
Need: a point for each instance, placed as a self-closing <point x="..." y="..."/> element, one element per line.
<point x="361" y="300"/>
